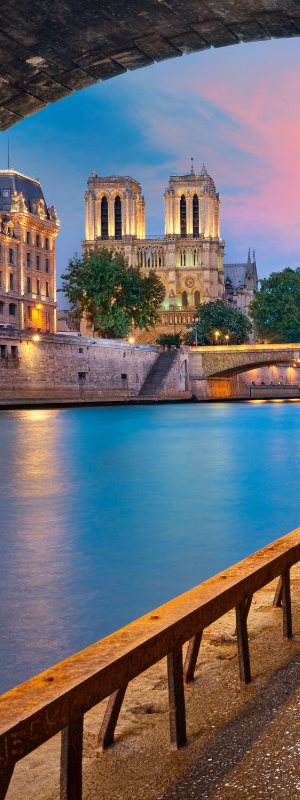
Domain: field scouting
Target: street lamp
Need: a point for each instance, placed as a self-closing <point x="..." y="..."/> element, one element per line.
<point x="227" y="338"/>
<point x="216" y="335"/>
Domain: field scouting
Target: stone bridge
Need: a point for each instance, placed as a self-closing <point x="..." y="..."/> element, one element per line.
<point x="214" y="371"/>
<point x="48" y="50"/>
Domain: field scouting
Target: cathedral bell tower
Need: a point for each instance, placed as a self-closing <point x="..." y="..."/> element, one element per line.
<point x="192" y="206"/>
<point x="114" y="208"/>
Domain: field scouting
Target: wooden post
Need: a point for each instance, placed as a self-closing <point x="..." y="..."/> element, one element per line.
<point x="286" y="605"/>
<point x="241" y="613"/>
<point x="278" y="594"/>
<point x="71" y="761"/>
<point x="5" y="779"/>
<point x="191" y="658"/>
<point x="176" y="698"/>
<point x="110" y="719"/>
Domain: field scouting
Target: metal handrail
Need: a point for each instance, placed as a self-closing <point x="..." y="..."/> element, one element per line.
<point x="57" y="699"/>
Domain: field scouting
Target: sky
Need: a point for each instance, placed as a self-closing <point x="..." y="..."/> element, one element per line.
<point x="235" y="108"/>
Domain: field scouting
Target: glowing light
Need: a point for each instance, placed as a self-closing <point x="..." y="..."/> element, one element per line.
<point x="39" y="305"/>
<point x="226" y="337"/>
<point x="36" y="338"/>
<point x="131" y="340"/>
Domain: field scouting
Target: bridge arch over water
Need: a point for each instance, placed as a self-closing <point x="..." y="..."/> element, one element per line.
<point x="214" y="370"/>
<point x="50" y="50"/>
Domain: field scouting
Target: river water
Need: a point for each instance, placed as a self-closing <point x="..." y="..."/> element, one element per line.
<point x="108" y="512"/>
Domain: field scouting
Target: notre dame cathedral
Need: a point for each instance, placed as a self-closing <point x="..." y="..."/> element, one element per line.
<point x="188" y="259"/>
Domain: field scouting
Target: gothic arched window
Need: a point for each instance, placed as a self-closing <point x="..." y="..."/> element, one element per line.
<point x="195" y="216"/>
<point x="195" y="253"/>
<point x="184" y="299"/>
<point x="183" y="216"/>
<point x="118" y="218"/>
<point x="197" y="298"/>
<point x="104" y="218"/>
<point x="184" y="260"/>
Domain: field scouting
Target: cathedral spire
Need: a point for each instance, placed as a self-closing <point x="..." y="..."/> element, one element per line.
<point x="192" y="166"/>
<point x="249" y="259"/>
<point x="204" y="170"/>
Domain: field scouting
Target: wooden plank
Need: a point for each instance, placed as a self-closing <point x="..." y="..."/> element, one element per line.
<point x="4" y="782"/>
<point x="286" y="605"/>
<point x="191" y="658"/>
<point x="176" y="698"/>
<point x="110" y="719"/>
<point x="241" y="611"/>
<point x="71" y="761"/>
<point x="38" y="709"/>
<point x="278" y="594"/>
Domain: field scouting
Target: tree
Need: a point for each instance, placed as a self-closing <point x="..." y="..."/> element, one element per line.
<point x="275" y="309"/>
<point x="113" y="296"/>
<point x="170" y="339"/>
<point x="216" y="320"/>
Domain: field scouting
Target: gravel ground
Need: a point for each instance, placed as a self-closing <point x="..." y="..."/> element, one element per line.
<point x="242" y="741"/>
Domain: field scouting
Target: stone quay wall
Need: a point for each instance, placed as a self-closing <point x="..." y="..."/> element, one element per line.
<point x="62" y="368"/>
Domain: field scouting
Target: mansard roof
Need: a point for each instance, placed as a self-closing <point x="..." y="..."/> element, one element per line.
<point x="16" y="182"/>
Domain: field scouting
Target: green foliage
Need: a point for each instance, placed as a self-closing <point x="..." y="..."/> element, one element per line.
<point x="218" y="316"/>
<point x="275" y="309"/>
<point x="113" y="295"/>
<point x="170" y="339"/>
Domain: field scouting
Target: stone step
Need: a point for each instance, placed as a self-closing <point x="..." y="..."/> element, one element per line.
<point x="157" y="373"/>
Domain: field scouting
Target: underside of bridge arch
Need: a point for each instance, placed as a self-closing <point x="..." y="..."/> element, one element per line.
<point x="237" y="370"/>
<point x="48" y="50"/>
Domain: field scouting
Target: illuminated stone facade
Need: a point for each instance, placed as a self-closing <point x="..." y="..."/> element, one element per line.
<point x="27" y="254"/>
<point x="188" y="260"/>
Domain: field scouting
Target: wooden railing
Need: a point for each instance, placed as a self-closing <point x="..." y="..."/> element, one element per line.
<point x="57" y="699"/>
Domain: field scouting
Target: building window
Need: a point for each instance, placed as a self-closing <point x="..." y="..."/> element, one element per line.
<point x="1" y="307"/>
<point x="183" y="216"/>
<point x="47" y="289"/>
<point x="14" y="351"/>
<point x="184" y="299"/>
<point x="27" y="237"/>
<point x="181" y="259"/>
<point x="46" y="244"/>
<point x="28" y="260"/>
<point x="37" y="262"/>
<point x="195" y="253"/>
<point x="184" y="259"/>
<point x="29" y="312"/>
<point x="38" y="287"/>
<point x="11" y="281"/>
<point x="37" y="240"/>
<point x="118" y="218"/>
<point x="11" y="255"/>
<point x="195" y="216"/>
<point x="3" y="351"/>
<point x="0" y="278"/>
<point x="6" y="193"/>
<point x="12" y="310"/>
<point x="28" y="285"/>
<point x="104" y="218"/>
<point x="47" y="264"/>
<point x="197" y="298"/>
<point x="47" y="322"/>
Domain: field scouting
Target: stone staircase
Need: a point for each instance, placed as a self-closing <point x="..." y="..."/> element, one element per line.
<point x="157" y="373"/>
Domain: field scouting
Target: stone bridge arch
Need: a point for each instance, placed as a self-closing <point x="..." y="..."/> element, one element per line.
<point x="213" y="369"/>
<point x="51" y="50"/>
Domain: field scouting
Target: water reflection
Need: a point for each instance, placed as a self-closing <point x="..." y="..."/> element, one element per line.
<point x="108" y="512"/>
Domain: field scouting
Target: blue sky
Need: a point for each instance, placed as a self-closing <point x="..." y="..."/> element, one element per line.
<point x="235" y="108"/>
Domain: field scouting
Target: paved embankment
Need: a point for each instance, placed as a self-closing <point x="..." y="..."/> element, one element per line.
<point x="242" y="741"/>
